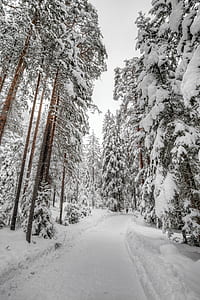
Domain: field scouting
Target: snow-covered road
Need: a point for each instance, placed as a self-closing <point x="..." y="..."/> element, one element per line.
<point x="96" y="267"/>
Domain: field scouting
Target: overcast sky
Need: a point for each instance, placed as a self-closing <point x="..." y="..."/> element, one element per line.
<point x="117" y="23"/>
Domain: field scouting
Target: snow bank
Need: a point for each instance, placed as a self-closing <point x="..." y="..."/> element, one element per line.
<point x="165" y="269"/>
<point x="16" y="253"/>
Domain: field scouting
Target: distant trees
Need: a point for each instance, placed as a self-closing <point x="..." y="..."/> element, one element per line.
<point x="93" y="163"/>
<point x="113" y="163"/>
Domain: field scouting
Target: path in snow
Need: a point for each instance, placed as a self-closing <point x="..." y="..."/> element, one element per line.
<point x="97" y="267"/>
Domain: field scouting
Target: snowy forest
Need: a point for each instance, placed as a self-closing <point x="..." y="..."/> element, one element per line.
<point x="51" y="53"/>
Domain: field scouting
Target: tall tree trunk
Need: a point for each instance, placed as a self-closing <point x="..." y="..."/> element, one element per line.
<point x="141" y="158"/>
<point x="40" y="166"/>
<point x="16" y="87"/>
<point x="54" y="196"/>
<point x="4" y="72"/>
<point x="50" y="132"/>
<point x="93" y="174"/>
<point x="2" y="80"/>
<point x="14" y="83"/>
<point x="141" y="161"/>
<point x="28" y="173"/>
<point x="21" y="174"/>
<point x="62" y="191"/>
<point x="52" y="127"/>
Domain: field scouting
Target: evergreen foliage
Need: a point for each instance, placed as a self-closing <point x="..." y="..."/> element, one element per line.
<point x="61" y="42"/>
<point x="113" y="164"/>
<point x="159" y="92"/>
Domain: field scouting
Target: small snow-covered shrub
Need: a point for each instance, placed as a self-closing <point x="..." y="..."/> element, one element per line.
<point x="75" y="211"/>
<point x="42" y="221"/>
<point x="85" y="211"/>
<point x="192" y="227"/>
<point x="3" y="217"/>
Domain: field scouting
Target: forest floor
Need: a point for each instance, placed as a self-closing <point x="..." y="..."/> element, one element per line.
<point x="105" y="256"/>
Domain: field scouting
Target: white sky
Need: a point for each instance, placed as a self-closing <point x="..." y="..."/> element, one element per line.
<point x="117" y="23"/>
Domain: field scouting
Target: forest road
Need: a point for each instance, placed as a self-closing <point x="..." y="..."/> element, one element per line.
<point x="96" y="267"/>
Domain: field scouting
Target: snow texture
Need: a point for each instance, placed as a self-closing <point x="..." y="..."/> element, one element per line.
<point x="168" y="190"/>
<point x="176" y="14"/>
<point x="191" y="79"/>
<point x="195" y="27"/>
<point x="93" y="263"/>
<point x="168" y="271"/>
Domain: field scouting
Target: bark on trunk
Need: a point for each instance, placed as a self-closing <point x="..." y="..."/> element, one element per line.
<point x="40" y="166"/>
<point x="14" y="83"/>
<point x="34" y="138"/>
<point x="54" y="196"/>
<point x="4" y="72"/>
<point x="16" y="203"/>
<point x="52" y="127"/>
<point x="2" y="80"/>
<point x="62" y="192"/>
<point x="141" y="162"/>
<point x="49" y="132"/>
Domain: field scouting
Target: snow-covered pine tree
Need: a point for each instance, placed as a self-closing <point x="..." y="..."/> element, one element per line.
<point x="93" y="162"/>
<point x="187" y="130"/>
<point x="158" y="47"/>
<point x="181" y="26"/>
<point x="168" y="131"/>
<point x="9" y="157"/>
<point x="113" y="163"/>
<point x="108" y="124"/>
<point x="79" y="59"/>
<point x="130" y="114"/>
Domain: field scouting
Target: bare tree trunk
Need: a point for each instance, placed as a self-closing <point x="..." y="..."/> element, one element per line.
<point x="34" y="139"/>
<point x="93" y="174"/>
<point x="14" y="83"/>
<point x="54" y="196"/>
<point x="50" y="132"/>
<point x="141" y="162"/>
<point x="35" y="189"/>
<point x="4" y="72"/>
<point x="62" y="191"/>
<point x="40" y="166"/>
<point x="16" y="203"/>
<point x="2" y="80"/>
<point x="141" y="158"/>
<point x="16" y="88"/>
<point x="52" y="126"/>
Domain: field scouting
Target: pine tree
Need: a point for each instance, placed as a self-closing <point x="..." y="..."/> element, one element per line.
<point x="93" y="162"/>
<point x="86" y="62"/>
<point x="113" y="164"/>
<point x="126" y="80"/>
<point x="165" y="114"/>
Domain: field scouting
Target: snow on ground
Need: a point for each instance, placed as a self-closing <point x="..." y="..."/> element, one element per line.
<point x="16" y="253"/>
<point x="106" y="256"/>
<point x="96" y="267"/>
<point x="167" y="270"/>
